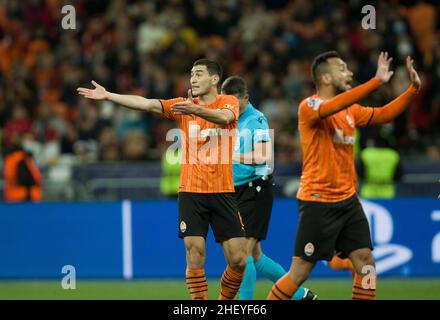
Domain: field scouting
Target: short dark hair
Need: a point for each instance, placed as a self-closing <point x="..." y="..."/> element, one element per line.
<point x="235" y="85"/>
<point x="212" y="66"/>
<point x="319" y="64"/>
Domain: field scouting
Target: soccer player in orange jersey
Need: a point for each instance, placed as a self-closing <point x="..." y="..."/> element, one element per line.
<point x="206" y="191"/>
<point x="330" y="215"/>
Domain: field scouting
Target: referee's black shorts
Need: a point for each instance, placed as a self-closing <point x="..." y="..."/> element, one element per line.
<point x="325" y="228"/>
<point x="199" y="210"/>
<point x="255" y="200"/>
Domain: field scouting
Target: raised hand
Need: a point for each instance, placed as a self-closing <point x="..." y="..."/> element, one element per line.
<point x="99" y="93"/>
<point x="190" y="96"/>
<point x="413" y="73"/>
<point x="383" y="67"/>
<point x="185" y="107"/>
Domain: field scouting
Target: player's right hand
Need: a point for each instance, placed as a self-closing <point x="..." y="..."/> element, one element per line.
<point x="99" y="93"/>
<point x="383" y="67"/>
<point x="415" y="79"/>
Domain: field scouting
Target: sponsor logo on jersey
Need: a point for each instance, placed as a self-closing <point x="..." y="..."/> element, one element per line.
<point x="339" y="137"/>
<point x="350" y="121"/>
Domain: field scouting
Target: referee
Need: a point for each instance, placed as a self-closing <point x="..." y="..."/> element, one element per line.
<point x="253" y="184"/>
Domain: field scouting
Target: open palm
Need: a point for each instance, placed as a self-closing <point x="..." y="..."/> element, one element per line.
<point x="99" y="93"/>
<point x="383" y="67"/>
<point x="413" y="73"/>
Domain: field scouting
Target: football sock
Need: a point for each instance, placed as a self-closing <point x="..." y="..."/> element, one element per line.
<point x="269" y="268"/>
<point x="299" y="294"/>
<point x="230" y="283"/>
<point x="274" y="271"/>
<point x="337" y="263"/>
<point x="246" y="291"/>
<point x="196" y="283"/>
<point x="283" y="289"/>
<point x="361" y="293"/>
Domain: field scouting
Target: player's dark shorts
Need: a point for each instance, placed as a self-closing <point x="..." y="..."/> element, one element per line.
<point x="199" y="210"/>
<point x="325" y="228"/>
<point x="255" y="200"/>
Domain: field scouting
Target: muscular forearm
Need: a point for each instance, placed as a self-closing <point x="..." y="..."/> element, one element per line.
<point x="346" y="99"/>
<point x="394" y="108"/>
<point x="218" y="116"/>
<point x="136" y="102"/>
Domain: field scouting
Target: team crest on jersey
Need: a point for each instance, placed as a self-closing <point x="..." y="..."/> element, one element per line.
<point x="309" y="249"/>
<point x="182" y="226"/>
<point x="314" y="103"/>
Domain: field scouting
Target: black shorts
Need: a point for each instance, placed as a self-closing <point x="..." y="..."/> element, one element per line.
<point x="199" y="210"/>
<point x="255" y="200"/>
<point x="326" y="228"/>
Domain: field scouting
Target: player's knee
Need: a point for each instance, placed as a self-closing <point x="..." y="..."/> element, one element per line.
<point x="364" y="258"/>
<point x="195" y="256"/>
<point x="299" y="276"/>
<point x="237" y="261"/>
<point x="300" y="270"/>
<point x="369" y="260"/>
<point x="256" y="252"/>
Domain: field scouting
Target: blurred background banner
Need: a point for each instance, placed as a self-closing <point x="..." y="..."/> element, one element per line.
<point x="139" y="239"/>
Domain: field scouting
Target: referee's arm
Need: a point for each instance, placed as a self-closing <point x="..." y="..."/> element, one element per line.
<point x="262" y="154"/>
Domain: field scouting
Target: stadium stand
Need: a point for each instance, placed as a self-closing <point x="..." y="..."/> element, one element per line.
<point x="147" y="48"/>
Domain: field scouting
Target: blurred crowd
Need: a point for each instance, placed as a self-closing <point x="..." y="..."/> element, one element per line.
<point x="148" y="47"/>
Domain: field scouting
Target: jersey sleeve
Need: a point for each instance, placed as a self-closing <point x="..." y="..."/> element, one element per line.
<point x="309" y="110"/>
<point x="362" y="115"/>
<point x="230" y="103"/>
<point x="166" y="108"/>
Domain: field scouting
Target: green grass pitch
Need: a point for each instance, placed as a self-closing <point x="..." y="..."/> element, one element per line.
<point x="388" y="289"/>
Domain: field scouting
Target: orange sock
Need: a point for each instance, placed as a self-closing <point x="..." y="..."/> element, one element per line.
<point x="361" y="293"/>
<point x="230" y="283"/>
<point x="337" y="263"/>
<point x="196" y="283"/>
<point x="283" y="289"/>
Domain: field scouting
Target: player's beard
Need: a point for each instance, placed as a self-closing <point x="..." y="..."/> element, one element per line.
<point x="340" y="89"/>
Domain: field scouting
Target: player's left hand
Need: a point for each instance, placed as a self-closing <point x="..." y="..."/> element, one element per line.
<point x="185" y="107"/>
<point x="413" y="73"/>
